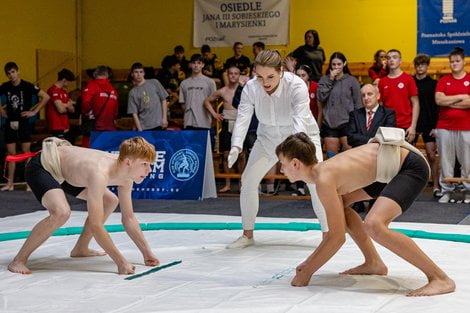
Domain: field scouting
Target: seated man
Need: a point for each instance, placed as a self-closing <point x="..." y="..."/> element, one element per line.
<point x="85" y="173"/>
<point x="364" y="122"/>
<point x="397" y="179"/>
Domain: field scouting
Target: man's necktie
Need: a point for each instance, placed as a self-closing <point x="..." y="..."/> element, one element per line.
<point x="369" y="119"/>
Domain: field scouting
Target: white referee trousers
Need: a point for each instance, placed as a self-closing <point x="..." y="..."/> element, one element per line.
<point x="259" y="163"/>
<point x="452" y="144"/>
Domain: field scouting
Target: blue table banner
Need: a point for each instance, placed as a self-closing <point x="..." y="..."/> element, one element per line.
<point x="183" y="168"/>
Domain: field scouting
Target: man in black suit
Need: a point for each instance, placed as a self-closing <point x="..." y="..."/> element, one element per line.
<point x="364" y="122"/>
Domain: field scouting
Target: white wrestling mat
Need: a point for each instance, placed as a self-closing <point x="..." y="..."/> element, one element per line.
<point x="211" y="278"/>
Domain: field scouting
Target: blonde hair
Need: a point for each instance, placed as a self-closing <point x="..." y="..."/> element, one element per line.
<point x="269" y="58"/>
<point x="137" y="148"/>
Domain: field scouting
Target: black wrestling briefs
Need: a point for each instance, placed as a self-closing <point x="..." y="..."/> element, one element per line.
<point x="41" y="181"/>
<point x="406" y="186"/>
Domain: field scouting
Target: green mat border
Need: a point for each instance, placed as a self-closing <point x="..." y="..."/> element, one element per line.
<point x="292" y="226"/>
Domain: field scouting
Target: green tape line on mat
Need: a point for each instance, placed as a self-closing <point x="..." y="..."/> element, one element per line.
<point x="155" y="269"/>
<point x="293" y="226"/>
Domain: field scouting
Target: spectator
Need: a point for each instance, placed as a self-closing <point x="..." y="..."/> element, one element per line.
<point x="257" y="48"/>
<point x="364" y="122"/>
<point x="305" y="72"/>
<point x="239" y="60"/>
<point x="18" y="95"/>
<point x="428" y="114"/>
<point x="311" y="54"/>
<point x="453" y="126"/>
<point x="99" y="104"/>
<point x="59" y="105"/>
<point x="379" y="69"/>
<point x="147" y="101"/>
<point x="170" y="79"/>
<point x="212" y="65"/>
<point x="178" y="53"/>
<point x="227" y="118"/>
<point x="193" y="91"/>
<point x="398" y="91"/>
<point x="169" y="76"/>
<point x="339" y="93"/>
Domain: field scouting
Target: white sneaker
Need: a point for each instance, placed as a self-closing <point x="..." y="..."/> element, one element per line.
<point x="445" y="198"/>
<point x="241" y="242"/>
<point x="467" y="197"/>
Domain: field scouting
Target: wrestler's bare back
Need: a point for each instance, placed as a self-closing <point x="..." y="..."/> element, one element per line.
<point x="80" y="165"/>
<point x="352" y="170"/>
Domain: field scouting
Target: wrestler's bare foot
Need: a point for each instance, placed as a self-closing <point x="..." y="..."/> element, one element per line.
<point x="225" y="189"/>
<point x="368" y="269"/>
<point x="7" y="188"/>
<point x="434" y="287"/>
<point x="18" y="267"/>
<point x="80" y="253"/>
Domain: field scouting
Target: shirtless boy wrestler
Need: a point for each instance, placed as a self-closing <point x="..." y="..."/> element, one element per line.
<point x="85" y="173"/>
<point x="397" y="181"/>
<point x="227" y="118"/>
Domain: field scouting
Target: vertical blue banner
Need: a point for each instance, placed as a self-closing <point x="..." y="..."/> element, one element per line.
<point x="443" y="25"/>
<point x="178" y="171"/>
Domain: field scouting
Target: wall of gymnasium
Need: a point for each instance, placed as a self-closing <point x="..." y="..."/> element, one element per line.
<point x="29" y="25"/>
<point x="121" y="32"/>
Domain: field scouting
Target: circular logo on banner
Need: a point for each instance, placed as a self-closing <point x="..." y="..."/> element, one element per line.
<point x="184" y="164"/>
<point x="466" y="83"/>
<point x="401" y="85"/>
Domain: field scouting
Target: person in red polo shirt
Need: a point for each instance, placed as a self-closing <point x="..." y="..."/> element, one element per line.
<point x="99" y="102"/>
<point x="453" y="124"/>
<point x="399" y="92"/>
<point x="59" y="105"/>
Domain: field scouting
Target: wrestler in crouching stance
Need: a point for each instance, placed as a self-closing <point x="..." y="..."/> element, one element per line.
<point x="388" y="169"/>
<point x="85" y="173"/>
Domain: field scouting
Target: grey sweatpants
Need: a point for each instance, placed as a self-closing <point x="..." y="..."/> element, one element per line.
<point x="453" y="144"/>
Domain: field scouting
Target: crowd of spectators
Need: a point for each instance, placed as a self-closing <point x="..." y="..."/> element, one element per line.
<point x="190" y="90"/>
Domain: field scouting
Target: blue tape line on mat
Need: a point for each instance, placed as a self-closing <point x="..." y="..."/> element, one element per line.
<point x="153" y="270"/>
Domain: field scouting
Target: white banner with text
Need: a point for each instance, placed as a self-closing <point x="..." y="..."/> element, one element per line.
<point x="220" y="23"/>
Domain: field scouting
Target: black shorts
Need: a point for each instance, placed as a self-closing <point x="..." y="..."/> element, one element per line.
<point x="406" y="186"/>
<point x="22" y="134"/>
<point x="338" y="132"/>
<point x="225" y="138"/>
<point x="425" y="133"/>
<point x="41" y="181"/>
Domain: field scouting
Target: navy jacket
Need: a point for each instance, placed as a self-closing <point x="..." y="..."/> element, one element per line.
<point x="357" y="127"/>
